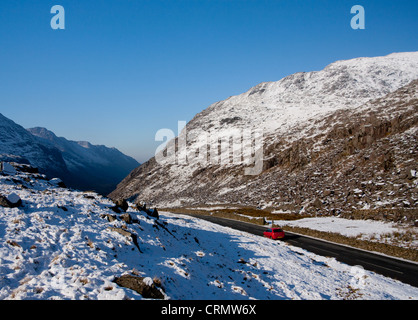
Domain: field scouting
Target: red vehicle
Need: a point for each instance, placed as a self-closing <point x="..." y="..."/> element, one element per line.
<point x="274" y="233"/>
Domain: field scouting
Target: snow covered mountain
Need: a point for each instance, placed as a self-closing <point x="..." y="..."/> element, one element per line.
<point x="92" y="167"/>
<point x="331" y="140"/>
<point x="63" y="244"/>
<point x="294" y="100"/>
<point x="18" y="145"/>
<point x="79" y="164"/>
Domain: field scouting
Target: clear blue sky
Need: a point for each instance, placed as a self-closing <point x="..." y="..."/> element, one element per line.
<point x="123" y="69"/>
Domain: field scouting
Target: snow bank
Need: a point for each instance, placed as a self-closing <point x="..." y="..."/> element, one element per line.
<point x="364" y="229"/>
<point x="61" y="245"/>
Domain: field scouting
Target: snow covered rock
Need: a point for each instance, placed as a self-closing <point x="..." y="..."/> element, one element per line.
<point x="144" y="286"/>
<point x="57" y="182"/>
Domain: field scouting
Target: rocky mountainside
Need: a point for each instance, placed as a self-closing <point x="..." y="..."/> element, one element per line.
<point x="340" y="140"/>
<point x="92" y="167"/>
<point x="79" y="164"/>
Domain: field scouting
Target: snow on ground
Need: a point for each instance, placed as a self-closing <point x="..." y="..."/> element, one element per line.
<point x="362" y="229"/>
<point x="58" y="245"/>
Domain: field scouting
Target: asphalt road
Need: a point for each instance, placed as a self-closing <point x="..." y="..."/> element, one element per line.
<point x="401" y="270"/>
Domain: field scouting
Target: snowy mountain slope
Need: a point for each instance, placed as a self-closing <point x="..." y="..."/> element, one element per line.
<point x="19" y="145"/>
<point x="92" y="167"/>
<point x="292" y="101"/>
<point x="60" y="244"/>
<point x="80" y="164"/>
<point x="312" y="138"/>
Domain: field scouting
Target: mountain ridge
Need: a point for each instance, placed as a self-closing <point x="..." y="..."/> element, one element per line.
<point x="80" y="165"/>
<point x="92" y="167"/>
<point x="21" y="146"/>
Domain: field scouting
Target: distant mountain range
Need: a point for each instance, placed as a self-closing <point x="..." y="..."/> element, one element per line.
<point x="80" y="165"/>
<point x="336" y="140"/>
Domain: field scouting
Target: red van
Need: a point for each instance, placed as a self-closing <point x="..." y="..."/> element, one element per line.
<point x="274" y="233"/>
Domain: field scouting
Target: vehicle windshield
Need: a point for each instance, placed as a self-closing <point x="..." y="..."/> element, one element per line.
<point x="277" y="230"/>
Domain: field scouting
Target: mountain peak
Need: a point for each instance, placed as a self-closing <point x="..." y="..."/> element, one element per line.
<point x="43" y="133"/>
<point x="296" y="98"/>
<point x="85" y="144"/>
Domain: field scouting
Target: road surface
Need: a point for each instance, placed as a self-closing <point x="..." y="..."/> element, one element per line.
<point x="401" y="270"/>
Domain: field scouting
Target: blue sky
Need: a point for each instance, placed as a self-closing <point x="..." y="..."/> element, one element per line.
<point x="123" y="69"/>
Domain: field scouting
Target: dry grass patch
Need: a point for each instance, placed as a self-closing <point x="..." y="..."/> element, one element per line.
<point x="245" y="214"/>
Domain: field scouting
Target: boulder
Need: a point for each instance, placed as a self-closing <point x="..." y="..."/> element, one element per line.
<point x="155" y="213"/>
<point x="123" y="232"/>
<point x="152" y="213"/>
<point x="4" y="202"/>
<point x="126" y="217"/>
<point x="145" y="286"/>
<point x="116" y="209"/>
<point x="127" y="234"/>
<point x="317" y="203"/>
<point x="122" y="204"/>
<point x="22" y="167"/>
<point x="11" y="201"/>
<point x="411" y="173"/>
<point x="57" y="182"/>
<point x="109" y="217"/>
<point x="7" y="168"/>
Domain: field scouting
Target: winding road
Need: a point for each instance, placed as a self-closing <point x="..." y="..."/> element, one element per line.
<point x="401" y="270"/>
